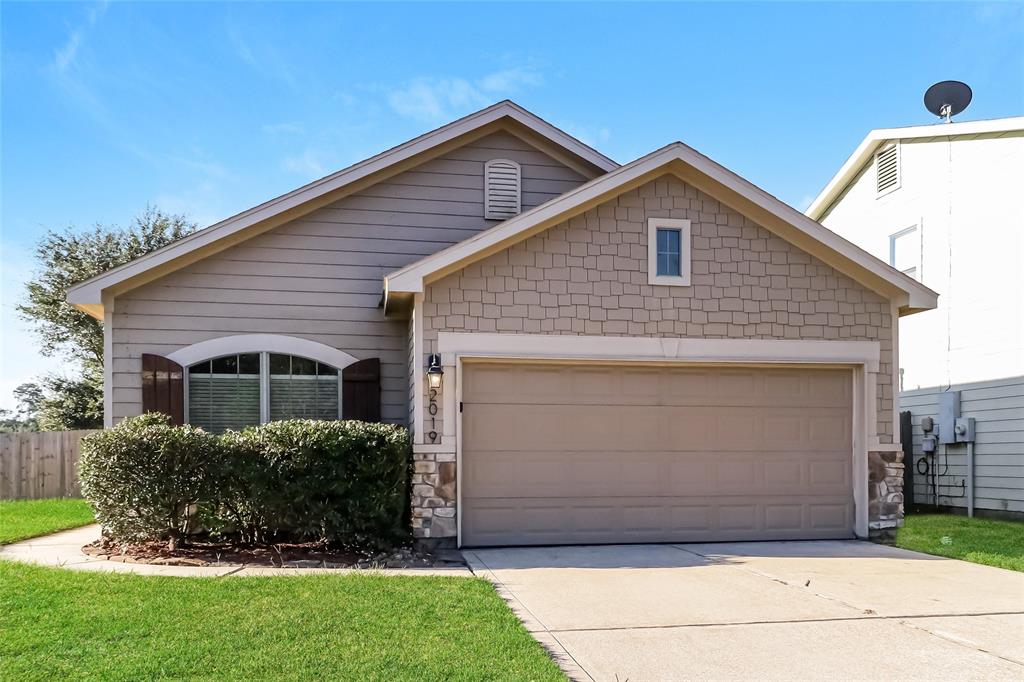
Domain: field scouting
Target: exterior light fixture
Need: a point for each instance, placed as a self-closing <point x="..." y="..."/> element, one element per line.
<point x="434" y="371"/>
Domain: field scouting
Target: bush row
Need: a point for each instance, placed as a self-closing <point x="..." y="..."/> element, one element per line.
<point x="341" y="482"/>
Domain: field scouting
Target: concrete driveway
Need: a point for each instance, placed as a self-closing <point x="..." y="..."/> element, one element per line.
<point x="775" y="610"/>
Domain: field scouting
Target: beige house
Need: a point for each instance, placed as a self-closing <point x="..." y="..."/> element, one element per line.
<point x="584" y="352"/>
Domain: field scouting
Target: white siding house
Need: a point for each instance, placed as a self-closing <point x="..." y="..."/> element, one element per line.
<point x="951" y="214"/>
<point x="944" y="203"/>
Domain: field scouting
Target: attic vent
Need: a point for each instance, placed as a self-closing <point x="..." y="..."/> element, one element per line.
<point x="887" y="169"/>
<point x="501" y="189"/>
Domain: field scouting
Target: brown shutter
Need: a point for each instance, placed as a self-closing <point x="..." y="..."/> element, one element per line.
<point x="360" y="391"/>
<point x="162" y="387"/>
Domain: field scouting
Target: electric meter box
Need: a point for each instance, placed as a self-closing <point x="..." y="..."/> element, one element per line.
<point x="949" y="412"/>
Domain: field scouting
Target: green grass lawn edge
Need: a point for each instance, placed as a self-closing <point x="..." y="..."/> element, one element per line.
<point x="992" y="542"/>
<point x="24" y="519"/>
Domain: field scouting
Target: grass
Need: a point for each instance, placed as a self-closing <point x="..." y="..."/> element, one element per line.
<point x="59" y="624"/>
<point x="67" y="624"/>
<point x="983" y="541"/>
<point x="23" y="519"/>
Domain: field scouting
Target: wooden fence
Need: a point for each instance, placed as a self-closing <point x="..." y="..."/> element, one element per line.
<point x="38" y="465"/>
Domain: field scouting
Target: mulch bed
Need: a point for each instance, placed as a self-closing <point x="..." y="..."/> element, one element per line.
<point x="303" y="555"/>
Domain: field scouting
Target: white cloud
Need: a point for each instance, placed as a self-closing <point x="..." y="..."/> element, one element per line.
<point x="439" y="99"/>
<point x="511" y="80"/>
<point x="64" y="57"/>
<point x="307" y="164"/>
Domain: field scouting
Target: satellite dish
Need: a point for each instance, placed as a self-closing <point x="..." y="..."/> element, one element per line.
<point x="947" y="99"/>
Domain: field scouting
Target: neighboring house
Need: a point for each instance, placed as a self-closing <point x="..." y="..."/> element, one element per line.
<point x="584" y="352"/>
<point x="943" y="204"/>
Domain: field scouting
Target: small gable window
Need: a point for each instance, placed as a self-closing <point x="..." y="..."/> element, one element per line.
<point x="887" y="169"/>
<point x="668" y="251"/>
<point x="905" y="251"/>
<point x="502" y="190"/>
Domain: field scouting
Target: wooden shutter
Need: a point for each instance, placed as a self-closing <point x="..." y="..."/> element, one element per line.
<point x="360" y="391"/>
<point x="162" y="387"/>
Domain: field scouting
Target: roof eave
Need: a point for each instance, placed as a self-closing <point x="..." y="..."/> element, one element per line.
<point x="862" y="266"/>
<point x="90" y="292"/>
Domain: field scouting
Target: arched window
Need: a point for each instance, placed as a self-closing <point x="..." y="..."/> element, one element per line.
<point x="235" y="391"/>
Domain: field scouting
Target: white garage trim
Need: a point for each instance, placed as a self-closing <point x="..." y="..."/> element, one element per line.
<point x="256" y="343"/>
<point x="861" y="356"/>
<point x="568" y="347"/>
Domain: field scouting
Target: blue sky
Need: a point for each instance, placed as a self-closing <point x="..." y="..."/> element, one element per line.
<point x="208" y="108"/>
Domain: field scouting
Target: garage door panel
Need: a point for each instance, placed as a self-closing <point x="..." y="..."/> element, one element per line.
<point x="544" y="383"/>
<point x="571" y="453"/>
<point x="519" y="521"/>
<point x="554" y="473"/>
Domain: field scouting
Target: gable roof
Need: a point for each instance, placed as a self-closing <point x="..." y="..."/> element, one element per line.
<point x="704" y="174"/>
<point x="866" y="150"/>
<point x="506" y="115"/>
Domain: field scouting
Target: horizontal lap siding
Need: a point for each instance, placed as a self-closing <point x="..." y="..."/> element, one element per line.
<point x="320" y="276"/>
<point x="998" y="408"/>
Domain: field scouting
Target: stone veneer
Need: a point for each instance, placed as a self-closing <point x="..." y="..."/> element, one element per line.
<point x="588" y="276"/>
<point x="885" y="494"/>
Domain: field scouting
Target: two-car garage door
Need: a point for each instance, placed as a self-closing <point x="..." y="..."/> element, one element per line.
<point x="571" y="453"/>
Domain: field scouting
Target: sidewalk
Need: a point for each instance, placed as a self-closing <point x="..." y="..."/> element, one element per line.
<point x="64" y="550"/>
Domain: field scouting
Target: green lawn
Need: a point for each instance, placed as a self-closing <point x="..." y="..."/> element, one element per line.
<point x="983" y="541"/>
<point x="66" y="624"/>
<point x="57" y="623"/>
<point x="22" y="519"/>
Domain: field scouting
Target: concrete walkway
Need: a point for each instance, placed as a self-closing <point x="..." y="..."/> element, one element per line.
<point x="785" y="610"/>
<point x="64" y="550"/>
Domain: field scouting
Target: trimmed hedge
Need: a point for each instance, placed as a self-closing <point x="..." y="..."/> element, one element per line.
<point x="340" y="482"/>
<point x="147" y="479"/>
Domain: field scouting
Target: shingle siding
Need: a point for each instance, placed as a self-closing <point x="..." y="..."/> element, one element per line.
<point x="589" y="276"/>
<point x="319" y="276"/>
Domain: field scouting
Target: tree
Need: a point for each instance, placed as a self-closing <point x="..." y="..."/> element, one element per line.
<point x="66" y="258"/>
<point x="64" y="404"/>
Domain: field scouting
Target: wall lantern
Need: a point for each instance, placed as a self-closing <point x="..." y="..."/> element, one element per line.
<point x="434" y="371"/>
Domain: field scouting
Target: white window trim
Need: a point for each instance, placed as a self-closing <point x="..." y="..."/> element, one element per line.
<point x="919" y="261"/>
<point x="899" y="169"/>
<point x="257" y="343"/>
<point x="264" y="344"/>
<point x="685" y="266"/>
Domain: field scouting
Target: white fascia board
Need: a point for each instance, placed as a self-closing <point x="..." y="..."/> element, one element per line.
<point x="871" y="142"/>
<point x="412" y="277"/>
<point x="89" y="293"/>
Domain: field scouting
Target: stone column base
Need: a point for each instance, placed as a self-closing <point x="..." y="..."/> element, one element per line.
<point x="433" y="493"/>
<point x="885" y="495"/>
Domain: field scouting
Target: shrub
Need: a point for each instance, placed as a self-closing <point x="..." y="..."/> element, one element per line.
<point x="146" y="478"/>
<point x="336" y="481"/>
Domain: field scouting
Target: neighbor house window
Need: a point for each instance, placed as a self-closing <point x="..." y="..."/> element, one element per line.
<point x="235" y="391"/>
<point x="668" y="251"/>
<point x="905" y="251"/>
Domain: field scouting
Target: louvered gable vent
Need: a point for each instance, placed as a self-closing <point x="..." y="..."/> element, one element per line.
<point x="887" y="169"/>
<point x="502" y="180"/>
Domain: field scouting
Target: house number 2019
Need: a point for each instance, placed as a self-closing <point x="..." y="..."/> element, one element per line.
<point x="432" y="410"/>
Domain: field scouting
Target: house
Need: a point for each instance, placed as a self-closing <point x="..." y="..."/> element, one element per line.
<point x="942" y="204"/>
<point x="584" y="352"/>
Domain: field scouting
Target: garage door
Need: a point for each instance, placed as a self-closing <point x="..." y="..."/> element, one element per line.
<point x="565" y="454"/>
